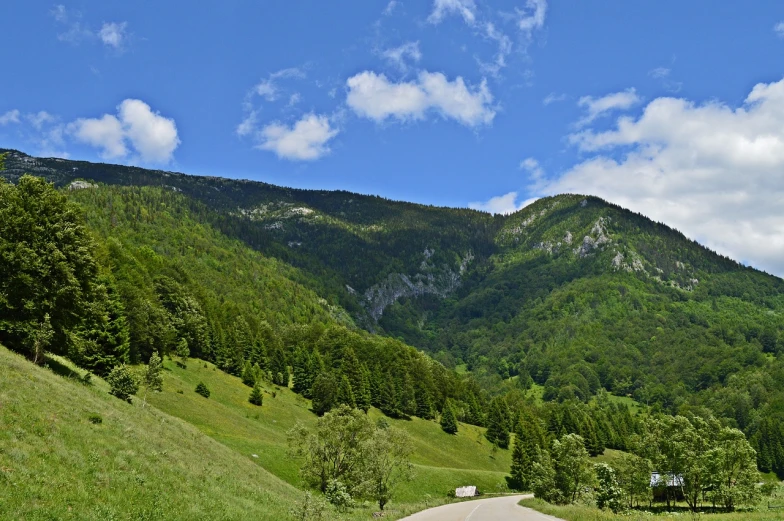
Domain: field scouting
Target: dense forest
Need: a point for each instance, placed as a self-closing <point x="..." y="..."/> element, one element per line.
<point x="417" y="310"/>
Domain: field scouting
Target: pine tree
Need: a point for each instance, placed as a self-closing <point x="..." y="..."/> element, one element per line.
<point x="153" y="376"/>
<point x="424" y="403"/>
<point x="497" y="421"/>
<point x="256" y="397"/>
<point x="363" y="394"/>
<point x="387" y="401"/>
<point x="202" y="390"/>
<point x="448" y="419"/>
<point x="301" y="369"/>
<point x="325" y="391"/>
<point x="345" y="394"/>
<point x="248" y="375"/>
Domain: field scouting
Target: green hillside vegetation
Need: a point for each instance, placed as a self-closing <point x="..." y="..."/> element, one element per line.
<point x="470" y="332"/>
<point x="71" y="451"/>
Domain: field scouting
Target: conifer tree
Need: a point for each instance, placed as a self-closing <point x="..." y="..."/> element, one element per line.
<point x="388" y="397"/>
<point x="497" y="423"/>
<point x="324" y="391"/>
<point x="248" y="375"/>
<point x="301" y="369"/>
<point x="256" y="397"/>
<point x="345" y="394"/>
<point x="448" y="418"/>
<point x="363" y="393"/>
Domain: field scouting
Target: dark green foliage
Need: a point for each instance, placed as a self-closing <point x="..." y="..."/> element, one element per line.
<point x="256" y="397"/>
<point x="248" y="374"/>
<point x="324" y="393"/>
<point x="345" y="394"/>
<point x="122" y="383"/>
<point x="95" y="419"/>
<point x="498" y="423"/>
<point x="103" y="338"/>
<point x="48" y="267"/>
<point x="448" y="419"/>
<point x="202" y="390"/>
<point x="529" y="442"/>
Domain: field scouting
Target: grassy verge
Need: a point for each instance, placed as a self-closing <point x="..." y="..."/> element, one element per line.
<point x="590" y="513"/>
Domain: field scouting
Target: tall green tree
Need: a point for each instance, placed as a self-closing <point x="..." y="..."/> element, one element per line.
<point x="48" y="265"/>
<point x="386" y="463"/>
<point x="448" y="418"/>
<point x="572" y="465"/>
<point x="498" y="423"/>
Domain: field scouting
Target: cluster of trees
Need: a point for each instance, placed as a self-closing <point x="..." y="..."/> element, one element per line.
<point x="348" y="457"/>
<point x="696" y="458"/>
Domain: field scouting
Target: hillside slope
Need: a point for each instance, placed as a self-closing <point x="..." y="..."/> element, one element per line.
<point x="138" y="463"/>
<point x="572" y="293"/>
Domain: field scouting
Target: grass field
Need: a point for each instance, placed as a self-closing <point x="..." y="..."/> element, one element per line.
<point x="72" y="451"/>
<point x="137" y="463"/>
<point x="442" y="461"/>
<point x="590" y="513"/>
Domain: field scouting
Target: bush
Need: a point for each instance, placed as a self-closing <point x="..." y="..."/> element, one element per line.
<point x="338" y="495"/>
<point x="202" y="390"/>
<point x="608" y="492"/>
<point x="87" y="379"/>
<point x="122" y="383"/>
<point x="95" y="419"/>
<point x="255" y="396"/>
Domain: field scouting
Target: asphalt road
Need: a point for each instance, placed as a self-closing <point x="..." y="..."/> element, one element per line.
<point x="503" y="508"/>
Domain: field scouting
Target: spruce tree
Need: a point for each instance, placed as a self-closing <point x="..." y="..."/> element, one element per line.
<point x="448" y="419"/>
<point x="202" y="390"/>
<point x="325" y="391"/>
<point x="256" y="397"/>
<point x="248" y="375"/>
<point x="301" y="369"/>
<point x="363" y="393"/>
<point x="497" y="418"/>
<point x="387" y="401"/>
<point x="345" y="394"/>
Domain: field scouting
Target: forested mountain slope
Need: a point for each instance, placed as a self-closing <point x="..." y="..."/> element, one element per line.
<point x="572" y="292"/>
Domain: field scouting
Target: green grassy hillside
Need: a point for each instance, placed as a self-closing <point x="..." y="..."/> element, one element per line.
<point x="138" y="463"/>
<point x="442" y="461"/>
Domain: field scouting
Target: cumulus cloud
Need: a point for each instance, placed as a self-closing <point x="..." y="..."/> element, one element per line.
<point x="306" y="140"/>
<point x="502" y="204"/>
<point x="779" y="29"/>
<point x="444" y="8"/>
<point x="152" y="136"/>
<point x="596" y="107"/>
<point x="397" y="55"/>
<point x="373" y="96"/>
<point x="113" y="34"/>
<point x="39" y="119"/>
<point x="713" y="171"/>
<point x="12" y="116"/>
<point x="532" y="17"/>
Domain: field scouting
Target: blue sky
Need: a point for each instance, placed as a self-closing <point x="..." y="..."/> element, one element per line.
<point x="673" y="109"/>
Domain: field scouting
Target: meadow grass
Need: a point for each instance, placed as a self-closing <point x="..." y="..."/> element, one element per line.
<point x="579" y="512"/>
<point x="70" y="451"/>
<point x="441" y="461"/>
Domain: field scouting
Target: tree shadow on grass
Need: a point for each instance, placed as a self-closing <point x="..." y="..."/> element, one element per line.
<point x="58" y="367"/>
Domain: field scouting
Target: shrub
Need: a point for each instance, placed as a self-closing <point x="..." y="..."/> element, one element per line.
<point x="122" y="383"/>
<point x="255" y="396"/>
<point x="338" y="495"/>
<point x="95" y="419"/>
<point x="87" y="379"/>
<point x="202" y="390"/>
<point x="608" y="492"/>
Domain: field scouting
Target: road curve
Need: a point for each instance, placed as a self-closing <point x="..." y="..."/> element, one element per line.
<point x="503" y="508"/>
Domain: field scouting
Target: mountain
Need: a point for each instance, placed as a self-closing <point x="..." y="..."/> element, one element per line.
<point x="572" y="293"/>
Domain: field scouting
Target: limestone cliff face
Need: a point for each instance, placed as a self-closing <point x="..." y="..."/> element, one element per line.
<point x="431" y="280"/>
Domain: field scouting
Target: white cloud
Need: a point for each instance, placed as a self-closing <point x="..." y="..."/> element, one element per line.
<point x="504" y="48"/>
<point x="151" y="135"/>
<point x="779" y="29"/>
<point x="503" y="204"/>
<point x="113" y="34"/>
<point x="268" y="88"/>
<point x="390" y="8"/>
<point x="306" y="140"/>
<point x="105" y="133"/>
<point x="397" y="55"/>
<point x="659" y="72"/>
<point x="40" y="119"/>
<point x="533" y="168"/>
<point x="553" y="98"/>
<point x="596" y="107"/>
<point x="443" y="8"/>
<point x="713" y="171"/>
<point x="60" y="13"/>
<point x="12" y="116"/>
<point x="248" y="124"/>
<point x="373" y="96"/>
<point x="532" y="17"/>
